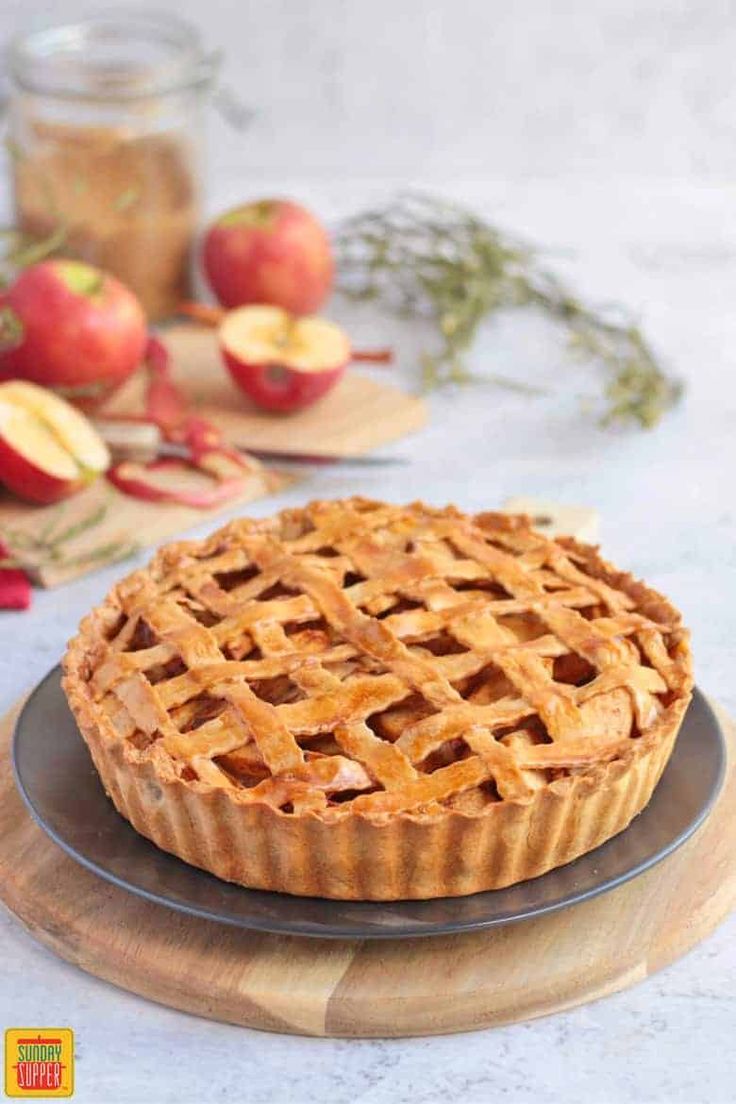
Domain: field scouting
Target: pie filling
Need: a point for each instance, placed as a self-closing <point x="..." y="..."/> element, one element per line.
<point x="365" y="658"/>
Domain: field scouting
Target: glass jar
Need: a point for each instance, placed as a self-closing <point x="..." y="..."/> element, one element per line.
<point x="106" y="142"/>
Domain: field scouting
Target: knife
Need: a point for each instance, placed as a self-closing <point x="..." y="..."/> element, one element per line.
<point x="322" y="458"/>
<point x="143" y="441"/>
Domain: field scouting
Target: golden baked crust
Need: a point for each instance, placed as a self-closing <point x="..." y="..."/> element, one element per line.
<point x="365" y="701"/>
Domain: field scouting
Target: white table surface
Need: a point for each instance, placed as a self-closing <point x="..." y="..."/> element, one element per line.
<point x="667" y="505"/>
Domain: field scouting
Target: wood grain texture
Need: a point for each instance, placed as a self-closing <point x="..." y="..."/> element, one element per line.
<point x="359" y="415"/>
<point x="125" y="519"/>
<point x="359" y="989"/>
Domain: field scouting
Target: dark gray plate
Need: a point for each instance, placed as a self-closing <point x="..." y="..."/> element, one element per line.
<point x="59" y="784"/>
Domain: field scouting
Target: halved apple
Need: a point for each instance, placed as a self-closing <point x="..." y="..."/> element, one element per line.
<point x="282" y="362"/>
<point x="48" y="449"/>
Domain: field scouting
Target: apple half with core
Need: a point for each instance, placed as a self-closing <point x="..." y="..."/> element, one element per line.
<point x="48" y="450"/>
<point x="283" y="363"/>
<point x="273" y="252"/>
<point x="72" y="327"/>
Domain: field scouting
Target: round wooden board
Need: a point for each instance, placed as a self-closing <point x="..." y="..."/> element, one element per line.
<point x="343" y="988"/>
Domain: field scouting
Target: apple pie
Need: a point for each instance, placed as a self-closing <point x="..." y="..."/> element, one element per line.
<point x="373" y="702"/>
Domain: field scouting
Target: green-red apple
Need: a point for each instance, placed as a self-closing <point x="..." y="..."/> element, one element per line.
<point x="71" y="327"/>
<point x="273" y="251"/>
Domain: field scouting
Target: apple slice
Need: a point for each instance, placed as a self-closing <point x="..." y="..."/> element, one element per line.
<point x="48" y="450"/>
<point x="283" y="363"/>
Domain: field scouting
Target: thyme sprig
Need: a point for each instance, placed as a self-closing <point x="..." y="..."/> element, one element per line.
<point x="50" y="545"/>
<point x="21" y="249"/>
<point x="427" y="257"/>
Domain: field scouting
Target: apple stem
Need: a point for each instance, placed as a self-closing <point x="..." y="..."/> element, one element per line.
<point x="373" y="356"/>
<point x="165" y="405"/>
<point x="205" y="313"/>
<point x="209" y="315"/>
<point x="15" y="589"/>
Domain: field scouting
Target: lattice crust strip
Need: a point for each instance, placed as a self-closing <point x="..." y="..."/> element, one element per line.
<point x="383" y="658"/>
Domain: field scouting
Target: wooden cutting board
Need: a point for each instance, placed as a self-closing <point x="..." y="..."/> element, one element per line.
<point x="111" y="526"/>
<point x="359" y="415"/>
<point x="385" y="988"/>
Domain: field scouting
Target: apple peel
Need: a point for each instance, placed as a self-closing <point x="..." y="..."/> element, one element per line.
<point x="15" y="586"/>
<point x="207" y="454"/>
<point x="134" y="479"/>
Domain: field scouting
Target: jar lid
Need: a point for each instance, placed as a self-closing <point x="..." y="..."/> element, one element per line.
<point x="118" y="55"/>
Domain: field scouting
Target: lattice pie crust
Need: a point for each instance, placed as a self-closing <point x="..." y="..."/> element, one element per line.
<point x="358" y="700"/>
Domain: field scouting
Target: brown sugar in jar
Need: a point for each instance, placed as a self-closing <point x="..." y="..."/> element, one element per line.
<point x="106" y="124"/>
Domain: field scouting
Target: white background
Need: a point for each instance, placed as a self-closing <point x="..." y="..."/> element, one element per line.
<point x="470" y="87"/>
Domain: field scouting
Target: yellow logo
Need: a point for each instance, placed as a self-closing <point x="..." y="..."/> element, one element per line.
<point x="39" y="1062"/>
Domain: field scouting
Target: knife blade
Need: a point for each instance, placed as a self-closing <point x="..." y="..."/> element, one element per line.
<point x="318" y="458"/>
<point x="143" y="441"/>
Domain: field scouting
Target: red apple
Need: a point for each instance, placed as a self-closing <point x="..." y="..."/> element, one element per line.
<point x="48" y="449"/>
<point x="80" y="331"/>
<point x="283" y="363"/>
<point x="274" y="252"/>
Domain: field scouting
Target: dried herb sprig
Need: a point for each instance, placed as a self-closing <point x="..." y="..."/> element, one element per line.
<point x="21" y="249"/>
<point x="424" y="256"/>
<point x="50" y="545"/>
